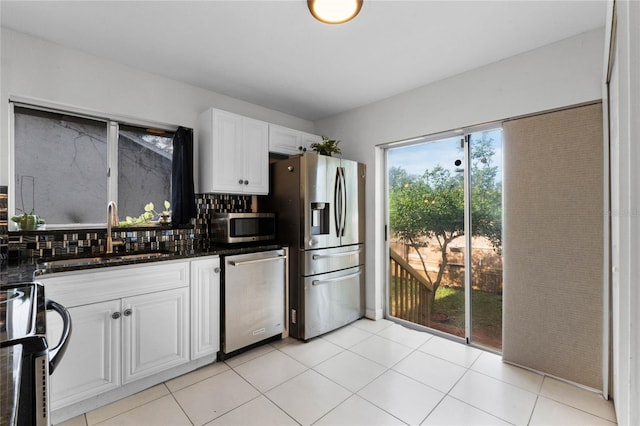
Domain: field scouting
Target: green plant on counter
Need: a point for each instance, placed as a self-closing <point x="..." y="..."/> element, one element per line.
<point x="28" y="221"/>
<point x="149" y="215"/>
<point x="326" y="147"/>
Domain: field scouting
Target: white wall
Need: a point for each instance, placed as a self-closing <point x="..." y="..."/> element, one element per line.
<point x="561" y="74"/>
<point x="625" y="207"/>
<point x="35" y="68"/>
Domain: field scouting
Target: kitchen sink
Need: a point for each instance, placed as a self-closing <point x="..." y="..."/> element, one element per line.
<point x="145" y="256"/>
<point x="100" y="260"/>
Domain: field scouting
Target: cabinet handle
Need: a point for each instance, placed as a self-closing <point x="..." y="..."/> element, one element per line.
<point x="128" y="312"/>
<point x="246" y="182"/>
<point x="115" y="315"/>
<point x="304" y="149"/>
<point x="216" y="271"/>
<point x="240" y="181"/>
<point x="300" y="148"/>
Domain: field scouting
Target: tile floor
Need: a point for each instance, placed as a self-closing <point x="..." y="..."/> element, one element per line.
<point x="368" y="373"/>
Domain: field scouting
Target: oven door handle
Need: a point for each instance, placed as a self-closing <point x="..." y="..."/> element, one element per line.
<point x="56" y="353"/>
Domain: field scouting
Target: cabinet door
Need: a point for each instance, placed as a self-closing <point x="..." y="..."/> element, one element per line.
<point x="283" y="140"/>
<point x="155" y="333"/>
<point x="84" y="287"/>
<point x="91" y="363"/>
<point x="255" y="135"/>
<point x="205" y="307"/>
<point x="306" y="139"/>
<point x="226" y="162"/>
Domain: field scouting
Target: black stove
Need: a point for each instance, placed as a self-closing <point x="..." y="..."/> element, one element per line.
<point x="25" y="358"/>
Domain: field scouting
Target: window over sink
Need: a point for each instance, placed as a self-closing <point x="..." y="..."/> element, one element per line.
<point x="68" y="166"/>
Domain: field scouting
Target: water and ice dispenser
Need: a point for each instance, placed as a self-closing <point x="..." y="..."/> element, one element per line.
<point x="319" y="218"/>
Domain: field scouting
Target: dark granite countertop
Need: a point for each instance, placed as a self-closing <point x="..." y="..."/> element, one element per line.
<point x="25" y="270"/>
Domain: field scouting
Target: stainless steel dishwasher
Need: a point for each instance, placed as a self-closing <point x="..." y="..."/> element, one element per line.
<point x="254" y="295"/>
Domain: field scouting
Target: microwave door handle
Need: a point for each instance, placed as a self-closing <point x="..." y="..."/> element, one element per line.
<point x="56" y="353"/>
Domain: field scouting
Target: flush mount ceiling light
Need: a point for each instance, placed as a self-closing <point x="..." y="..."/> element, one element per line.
<point x="334" y="11"/>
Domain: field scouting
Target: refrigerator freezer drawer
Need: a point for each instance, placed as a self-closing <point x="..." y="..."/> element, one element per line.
<point x="333" y="259"/>
<point x="254" y="297"/>
<point x="333" y="300"/>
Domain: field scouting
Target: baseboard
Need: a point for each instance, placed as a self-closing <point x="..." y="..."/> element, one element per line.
<point x="374" y="314"/>
<point x="65" y="413"/>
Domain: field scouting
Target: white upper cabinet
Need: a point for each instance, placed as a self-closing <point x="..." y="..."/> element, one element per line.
<point x="233" y="153"/>
<point x="283" y="140"/>
<point x="308" y="139"/>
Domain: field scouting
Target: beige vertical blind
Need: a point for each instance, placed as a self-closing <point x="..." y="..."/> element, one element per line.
<point x="553" y="243"/>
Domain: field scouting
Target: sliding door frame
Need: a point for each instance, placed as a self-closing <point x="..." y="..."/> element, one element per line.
<point x="464" y="135"/>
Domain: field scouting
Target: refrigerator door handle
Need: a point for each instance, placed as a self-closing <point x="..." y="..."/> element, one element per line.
<point x="332" y="280"/>
<point x="337" y="203"/>
<point x="344" y="202"/>
<point x="325" y="256"/>
<point x="340" y="201"/>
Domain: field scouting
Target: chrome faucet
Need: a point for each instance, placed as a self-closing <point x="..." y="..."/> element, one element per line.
<point x="112" y="218"/>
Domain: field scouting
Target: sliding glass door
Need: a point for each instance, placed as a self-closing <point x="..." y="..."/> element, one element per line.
<point x="485" y="238"/>
<point x="444" y="235"/>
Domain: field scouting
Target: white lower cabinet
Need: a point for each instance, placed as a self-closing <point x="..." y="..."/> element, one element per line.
<point x="114" y="342"/>
<point x="205" y="307"/>
<point x="91" y="363"/>
<point x="155" y="333"/>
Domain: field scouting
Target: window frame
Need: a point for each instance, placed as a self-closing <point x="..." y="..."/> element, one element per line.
<point x="112" y="122"/>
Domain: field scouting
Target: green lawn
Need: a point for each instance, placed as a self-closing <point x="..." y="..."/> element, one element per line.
<point x="486" y="311"/>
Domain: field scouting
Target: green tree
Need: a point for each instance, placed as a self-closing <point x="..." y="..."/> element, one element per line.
<point x="429" y="209"/>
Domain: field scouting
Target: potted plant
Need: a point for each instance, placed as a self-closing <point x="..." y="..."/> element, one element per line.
<point x="149" y="214"/>
<point x="28" y="221"/>
<point x="326" y="147"/>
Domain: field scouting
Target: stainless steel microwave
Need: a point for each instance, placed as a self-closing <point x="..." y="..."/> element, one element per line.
<point x="229" y="228"/>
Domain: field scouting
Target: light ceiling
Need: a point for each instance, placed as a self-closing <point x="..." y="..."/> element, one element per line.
<point x="275" y="54"/>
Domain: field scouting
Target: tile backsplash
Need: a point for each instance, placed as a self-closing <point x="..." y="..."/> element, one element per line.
<point x="52" y="243"/>
<point x="206" y="204"/>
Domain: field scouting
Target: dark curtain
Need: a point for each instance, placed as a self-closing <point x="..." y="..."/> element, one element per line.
<point x="183" y="202"/>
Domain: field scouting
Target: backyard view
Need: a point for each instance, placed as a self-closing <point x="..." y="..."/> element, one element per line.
<point x="427" y="236"/>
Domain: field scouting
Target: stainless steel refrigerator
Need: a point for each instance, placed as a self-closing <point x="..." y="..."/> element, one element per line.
<point x="319" y="202"/>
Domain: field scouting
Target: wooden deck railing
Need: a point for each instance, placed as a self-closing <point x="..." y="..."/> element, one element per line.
<point x="410" y="292"/>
